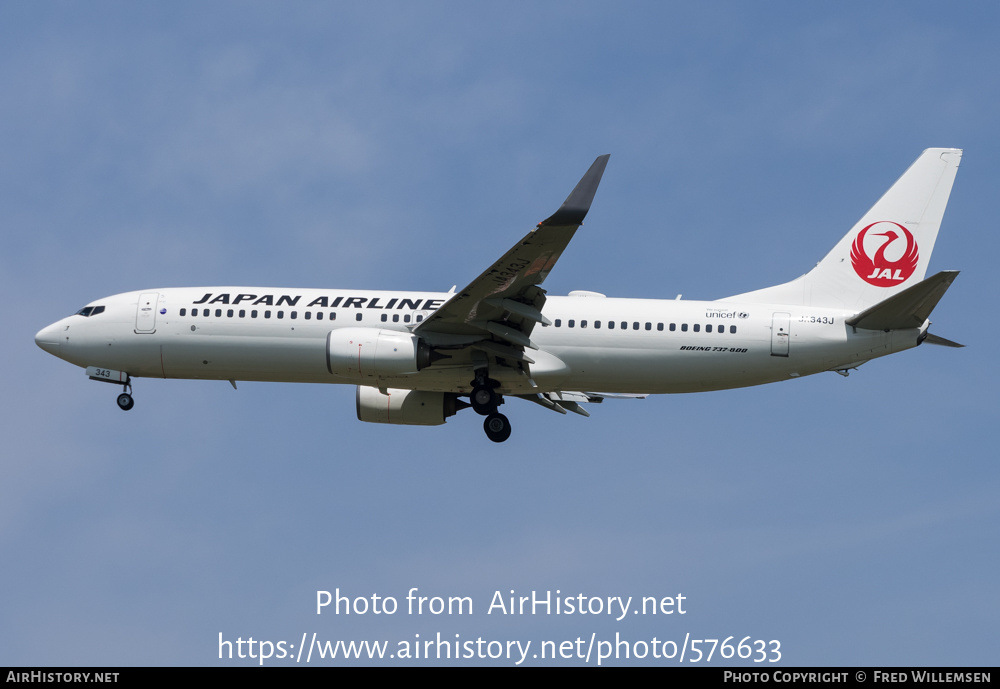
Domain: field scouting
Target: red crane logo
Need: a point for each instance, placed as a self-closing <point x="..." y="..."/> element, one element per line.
<point x="879" y="270"/>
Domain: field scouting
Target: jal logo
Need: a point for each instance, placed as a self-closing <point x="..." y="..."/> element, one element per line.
<point x="895" y="257"/>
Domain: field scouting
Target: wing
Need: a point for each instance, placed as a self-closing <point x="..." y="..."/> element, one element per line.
<point x="564" y="401"/>
<point x="501" y="306"/>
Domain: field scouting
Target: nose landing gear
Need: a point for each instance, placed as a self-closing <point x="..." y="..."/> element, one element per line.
<point x="107" y="375"/>
<point x="125" y="401"/>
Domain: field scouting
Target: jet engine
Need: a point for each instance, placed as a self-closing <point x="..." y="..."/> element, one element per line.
<point x="375" y="353"/>
<point x="409" y="407"/>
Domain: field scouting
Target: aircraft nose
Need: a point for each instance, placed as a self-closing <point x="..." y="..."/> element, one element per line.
<point x="48" y="338"/>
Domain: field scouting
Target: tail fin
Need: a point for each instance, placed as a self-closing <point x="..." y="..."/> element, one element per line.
<point x="887" y="251"/>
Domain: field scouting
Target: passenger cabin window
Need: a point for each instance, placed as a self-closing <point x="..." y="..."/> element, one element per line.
<point x="357" y="316"/>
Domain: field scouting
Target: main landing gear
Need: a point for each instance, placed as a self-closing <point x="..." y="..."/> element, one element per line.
<point x="485" y="400"/>
<point x="497" y="427"/>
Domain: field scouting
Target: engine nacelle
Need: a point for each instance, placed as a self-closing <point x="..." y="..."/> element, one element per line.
<point x="409" y="407"/>
<point x="374" y="353"/>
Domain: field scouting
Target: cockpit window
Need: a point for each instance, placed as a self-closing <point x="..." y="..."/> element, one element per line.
<point x="88" y="311"/>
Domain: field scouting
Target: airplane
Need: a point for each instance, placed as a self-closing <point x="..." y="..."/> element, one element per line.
<point x="416" y="357"/>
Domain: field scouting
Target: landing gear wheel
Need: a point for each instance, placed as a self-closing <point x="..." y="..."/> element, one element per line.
<point x="497" y="427"/>
<point x="484" y="400"/>
<point x="125" y="401"/>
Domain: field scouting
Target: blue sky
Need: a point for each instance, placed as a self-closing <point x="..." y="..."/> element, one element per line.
<point x="405" y="146"/>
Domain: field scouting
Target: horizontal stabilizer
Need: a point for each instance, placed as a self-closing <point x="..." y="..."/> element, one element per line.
<point x="906" y="309"/>
<point x="934" y="339"/>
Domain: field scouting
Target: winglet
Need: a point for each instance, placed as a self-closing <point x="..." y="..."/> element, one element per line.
<point x="576" y="205"/>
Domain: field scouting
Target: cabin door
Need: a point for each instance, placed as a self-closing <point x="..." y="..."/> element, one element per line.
<point x="779" y="334"/>
<point x="145" y="313"/>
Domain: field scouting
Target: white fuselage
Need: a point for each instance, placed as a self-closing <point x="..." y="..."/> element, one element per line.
<point x="633" y="346"/>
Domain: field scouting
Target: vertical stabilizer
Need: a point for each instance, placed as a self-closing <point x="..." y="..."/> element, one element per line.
<point x="887" y="251"/>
